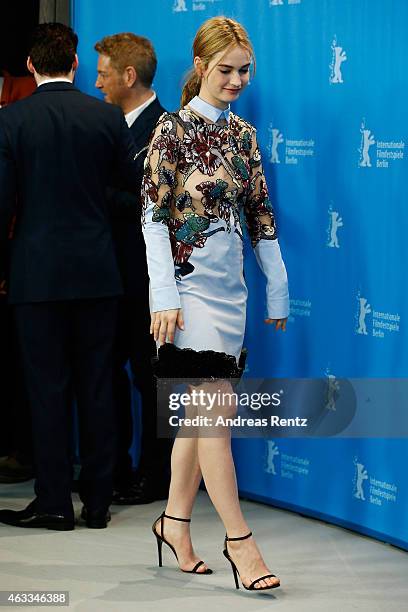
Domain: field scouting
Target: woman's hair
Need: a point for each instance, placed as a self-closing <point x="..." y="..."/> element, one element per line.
<point x="215" y="35"/>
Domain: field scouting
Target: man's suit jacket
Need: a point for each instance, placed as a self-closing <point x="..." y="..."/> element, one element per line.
<point x="126" y="210"/>
<point x="59" y="149"/>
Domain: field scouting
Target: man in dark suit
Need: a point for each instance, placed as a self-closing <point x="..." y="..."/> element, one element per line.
<point x="126" y="68"/>
<point x="15" y="420"/>
<point x="58" y="150"/>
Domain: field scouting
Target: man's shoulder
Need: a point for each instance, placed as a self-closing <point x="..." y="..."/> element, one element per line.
<point x="15" y="108"/>
<point x="67" y="96"/>
<point x="96" y="104"/>
<point x="150" y="115"/>
<point x="73" y="104"/>
<point x="157" y="108"/>
<point x="146" y="122"/>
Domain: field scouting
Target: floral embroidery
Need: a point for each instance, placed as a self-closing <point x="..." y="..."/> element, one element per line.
<point x="167" y="177"/>
<point x="184" y="201"/>
<point x="162" y="212"/>
<point x="227" y="163"/>
<point x="149" y="188"/>
<point x="166" y="144"/>
<point x="216" y="195"/>
<point x="255" y="160"/>
<point x="212" y="193"/>
<point x="202" y="148"/>
<point x="184" y="236"/>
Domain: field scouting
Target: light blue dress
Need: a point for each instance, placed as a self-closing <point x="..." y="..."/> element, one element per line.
<point x="201" y="180"/>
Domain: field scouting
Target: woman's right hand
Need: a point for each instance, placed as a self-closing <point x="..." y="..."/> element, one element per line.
<point x="163" y="324"/>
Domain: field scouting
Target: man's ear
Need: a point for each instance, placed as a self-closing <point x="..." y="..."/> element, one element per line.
<point x="75" y="63"/>
<point x="130" y="76"/>
<point x="30" y="66"/>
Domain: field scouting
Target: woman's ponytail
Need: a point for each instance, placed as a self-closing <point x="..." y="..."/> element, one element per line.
<point x="191" y="88"/>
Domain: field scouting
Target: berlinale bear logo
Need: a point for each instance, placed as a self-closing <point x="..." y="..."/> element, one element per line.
<point x="367" y="140"/>
<point x="179" y="6"/>
<point x="360" y="476"/>
<point x="271" y="452"/>
<point x="277" y="139"/>
<point x="335" y="222"/>
<point x="338" y="57"/>
<point x="364" y="310"/>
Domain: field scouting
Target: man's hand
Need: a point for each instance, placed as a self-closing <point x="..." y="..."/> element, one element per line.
<point x="3" y="288"/>
<point x="279" y="323"/>
<point x="163" y="324"/>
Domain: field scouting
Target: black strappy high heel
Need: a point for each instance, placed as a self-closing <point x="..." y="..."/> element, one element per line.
<point x="236" y="573"/>
<point x="160" y="539"/>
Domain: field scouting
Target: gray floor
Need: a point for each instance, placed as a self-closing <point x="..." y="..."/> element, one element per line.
<point x="322" y="567"/>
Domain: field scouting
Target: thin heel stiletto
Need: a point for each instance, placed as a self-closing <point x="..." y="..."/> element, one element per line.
<point x="235" y="572"/>
<point x="160" y="539"/>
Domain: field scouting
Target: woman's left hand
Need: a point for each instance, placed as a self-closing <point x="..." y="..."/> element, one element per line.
<point x="279" y="323"/>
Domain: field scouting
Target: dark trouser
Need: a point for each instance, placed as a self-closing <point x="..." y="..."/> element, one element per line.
<point x="134" y="343"/>
<point x="67" y="351"/>
<point x="15" y="418"/>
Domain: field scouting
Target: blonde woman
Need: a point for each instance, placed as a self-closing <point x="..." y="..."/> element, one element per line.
<point x="203" y="173"/>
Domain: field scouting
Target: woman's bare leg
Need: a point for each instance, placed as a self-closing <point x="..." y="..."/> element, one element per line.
<point x="217" y="466"/>
<point x="212" y="458"/>
<point x="185" y="480"/>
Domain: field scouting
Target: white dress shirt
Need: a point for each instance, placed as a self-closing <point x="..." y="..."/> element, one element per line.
<point x="136" y="112"/>
<point x="54" y="80"/>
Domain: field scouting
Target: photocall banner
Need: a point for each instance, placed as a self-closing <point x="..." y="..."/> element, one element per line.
<point x="329" y="101"/>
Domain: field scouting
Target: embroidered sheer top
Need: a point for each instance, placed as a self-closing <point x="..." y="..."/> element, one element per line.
<point x="198" y="173"/>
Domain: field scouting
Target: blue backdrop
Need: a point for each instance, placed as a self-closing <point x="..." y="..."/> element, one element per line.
<point x="328" y="99"/>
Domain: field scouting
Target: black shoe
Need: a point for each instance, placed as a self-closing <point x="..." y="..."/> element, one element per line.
<point x="161" y="539"/>
<point x="253" y="585"/>
<point x="144" y="491"/>
<point x="31" y="517"/>
<point x="95" y="519"/>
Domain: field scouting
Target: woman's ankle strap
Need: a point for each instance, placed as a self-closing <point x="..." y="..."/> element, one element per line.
<point x="248" y="535"/>
<point x="175" y="518"/>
